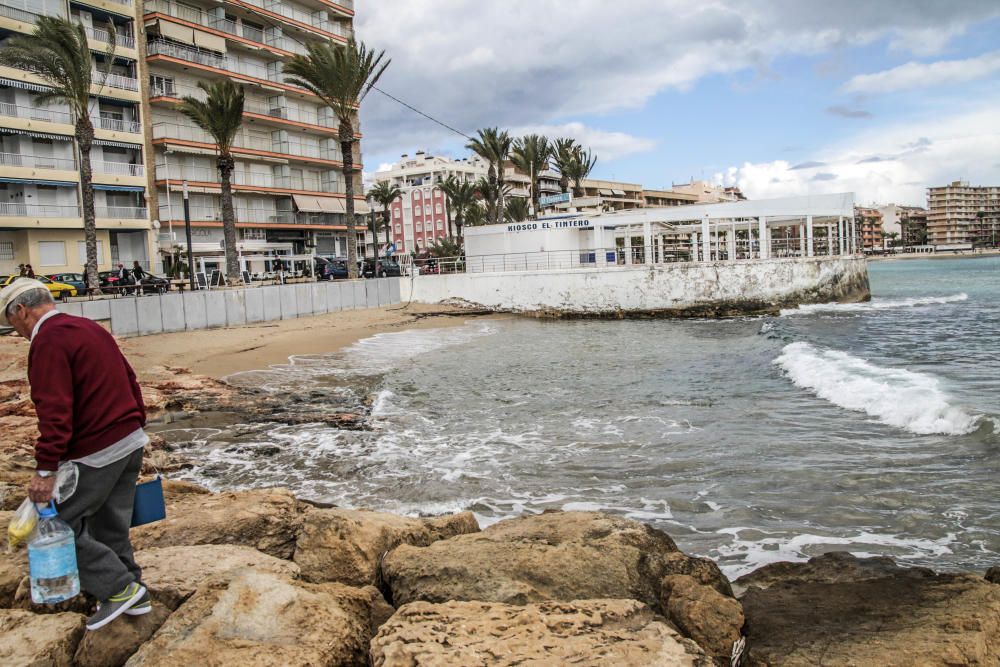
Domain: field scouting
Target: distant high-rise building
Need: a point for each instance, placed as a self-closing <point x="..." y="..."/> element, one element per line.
<point x="963" y="214"/>
<point x="906" y="224"/>
<point x="869" y="223"/>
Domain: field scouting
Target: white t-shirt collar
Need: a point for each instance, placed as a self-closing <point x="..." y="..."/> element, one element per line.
<point x="38" y="324"/>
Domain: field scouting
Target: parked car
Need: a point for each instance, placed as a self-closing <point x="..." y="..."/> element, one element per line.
<point x="77" y="280"/>
<point x="331" y="268"/>
<point x="380" y="268"/>
<point x="109" y="280"/>
<point x="153" y="283"/>
<point x="58" y="290"/>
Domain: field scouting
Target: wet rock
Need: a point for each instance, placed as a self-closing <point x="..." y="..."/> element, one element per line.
<point x="347" y="545"/>
<point x="993" y="575"/>
<point x="706" y="616"/>
<point x="172" y="574"/>
<point x="39" y="640"/>
<point x="258" y="618"/>
<point x="174" y="490"/>
<point x="623" y="633"/>
<point x="115" y="643"/>
<point x="833" y="567"/>
<point x="906" y="617"/>
<point x="551" y="556"/>
<point x="265" y="519"/>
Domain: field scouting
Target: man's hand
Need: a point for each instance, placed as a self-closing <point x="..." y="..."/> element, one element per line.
<point x="40" y="488"/>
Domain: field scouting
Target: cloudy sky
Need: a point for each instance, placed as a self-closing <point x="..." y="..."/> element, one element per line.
<point x="879" y="97"/>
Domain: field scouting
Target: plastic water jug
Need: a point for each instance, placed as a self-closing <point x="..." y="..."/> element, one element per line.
<point x="52" y="559"/>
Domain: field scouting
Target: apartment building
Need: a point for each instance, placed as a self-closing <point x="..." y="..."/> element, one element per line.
<point x="289" y="183"/>
<point x="960" y="214"/>
<point x="869" y="223"/>
<point x="708" y="193"/>
<point x="907" y="224"/>
<point x="41" y="221"/>
<point x="658" y="198"/>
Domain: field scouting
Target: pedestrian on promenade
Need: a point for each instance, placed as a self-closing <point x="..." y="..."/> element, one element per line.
<point x="91" y="413"/>
<point x="138" y="274"/>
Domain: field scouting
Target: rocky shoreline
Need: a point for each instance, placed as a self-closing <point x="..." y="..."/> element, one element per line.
<point x="261" y="577"/>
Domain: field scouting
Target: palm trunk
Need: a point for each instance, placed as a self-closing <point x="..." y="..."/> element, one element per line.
<point x="387" y="221"/>
<point x="564" y="184"/>
<point x="534" y="194"/>
<point x="447" y="212"/>
<point x="226" y="165"/>
<point x="85" y="139"/>
<point x="458" y="226"/>
<point x="346" y="136"/>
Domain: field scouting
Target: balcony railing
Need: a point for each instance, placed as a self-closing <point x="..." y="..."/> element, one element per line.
<point x="35" y="113"/>
<point x="307" y="150"/>
<point x="192" y="133"/>
<point x="36" y="161"/>
<point x="118" y="168"/>
<point x="211" y="175"/>
<point x="116" y="81"/>
<point x="121" y="212"/>
<point x="102" y="35"/>
<point x="117" y="125"/>
<point x="18" y="14"/>
<point x="189" y="53"/>
<point x="38" y="210"/>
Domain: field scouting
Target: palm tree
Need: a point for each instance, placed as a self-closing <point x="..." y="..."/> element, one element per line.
<point x="891" y="238"/>
<point x="221" y="116"/>
<point x="58" y="52"/>
<point x="341" y="76"/>
<point x="493" y="146"/>
<point x="476" y="215"/>
<point x="492" y="197"/>
<point x="516" y="209"/>
<point x="531" y="155"/>
<point x="385" y="193"/>
<point x="461" y="197"/>
<point x="579" y="168"/>
<point x="563" y="154"/>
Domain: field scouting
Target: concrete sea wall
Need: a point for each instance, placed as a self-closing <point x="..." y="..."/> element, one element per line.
<point x="711" y="289"/>
<point x="205" y="309"/>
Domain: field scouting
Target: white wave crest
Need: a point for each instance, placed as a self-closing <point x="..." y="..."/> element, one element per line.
<point x="904" y="399"/>
<point x="873" y="305"/>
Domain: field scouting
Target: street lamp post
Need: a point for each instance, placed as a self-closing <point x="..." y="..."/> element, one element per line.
<point x="187" y="233"/>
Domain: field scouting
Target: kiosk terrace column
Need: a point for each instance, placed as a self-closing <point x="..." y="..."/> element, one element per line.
<point x="763" y="252"/>
<point x="809" y="236"/>
<point x="706" y="240"/>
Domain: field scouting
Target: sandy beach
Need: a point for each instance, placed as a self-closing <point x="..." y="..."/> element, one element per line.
<point x="221" y="352"/>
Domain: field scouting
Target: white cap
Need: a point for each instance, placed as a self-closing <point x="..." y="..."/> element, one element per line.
<point x="14" y="290"/>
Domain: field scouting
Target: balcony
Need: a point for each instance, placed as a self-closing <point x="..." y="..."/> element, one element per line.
<point x="228" y="26"/>
<point x="117" y="125"/>
<point x="22" y="15"/>
<point x="102" y="35"/>
<point x="36" y="113"/>
<point x="118" y="168"/>
<point x="15" y="210"/>
<point x="250" y="179"/>
<point x="36" y="161"/>
<point x="189" y="53"/>
<point x="121" y="212"/>
<point x="116" y="81"/>
<point x="244" y="140"/>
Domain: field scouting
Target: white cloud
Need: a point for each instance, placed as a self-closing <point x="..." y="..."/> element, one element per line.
<point x="474" y="64"/>
<point x="925" y="75"/>
<point x="894" y="164"/>
<point x="606" y="145"/>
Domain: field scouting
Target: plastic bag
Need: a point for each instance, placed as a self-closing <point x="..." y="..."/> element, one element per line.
<point x="65" y="482"/>
<point x="22" y="524"/>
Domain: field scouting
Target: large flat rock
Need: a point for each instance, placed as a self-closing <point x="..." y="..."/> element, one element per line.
<point x="623" y="633"/>
<point x="113" y="644"/>
<point x="39" y="640"/>
<point x="551" y="556"/>
<point x="256" y="618"/>
<point x="906" y="617"/>
<point x="347" y="545"/>
<point x="830" y="568"/>
<point x="267" y="520"/>
<point x="172" y="574"/>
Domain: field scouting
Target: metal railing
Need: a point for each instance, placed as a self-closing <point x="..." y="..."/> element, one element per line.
<point x="35" y="113"/>
<point x="192" y="54"/>
<point x="211" y="175"/>
<point x="116" y="81"/>
<point x="102" y="35"/>
<point x="121" y="212"/>
<point x="166" y="130"/>
<point x="36" y="161"/>
<point x="118" y="125"/>
<point x="289" y="113"/>
<point x="119" y="168"/>
<point x="8" y="209"/>
<point x="19" y="14"/>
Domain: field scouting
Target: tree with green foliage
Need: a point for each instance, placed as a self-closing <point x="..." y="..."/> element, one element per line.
<point x="531" y="154"/>
<point x="461" y="197"/>
<point x="59" y="54"/>
<point x="220" y="114"/>
<point x="563" y="155"/>
<point x="341" y="76"/>
<point x="516" y="209"/>
<point x="385" y="193"/>
<point x="493" y="145"/>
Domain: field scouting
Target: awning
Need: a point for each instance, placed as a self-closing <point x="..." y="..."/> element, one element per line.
<point x="361" y="206"/>
<point x="208" y="41"/>
<point x="192" y="150"/>
<point x="36" y="135"/>
<point x="120" y="188"/>
<point x="117" y="144"/>
<point x="307" y="204"/>
<point x="35" y="181"/>
<point x="606" y="193"/>
<point x="332" y="204"/>
<point x="178" y="33"/>
<point x="618" y="193"/>
<point x="14" y="83"/>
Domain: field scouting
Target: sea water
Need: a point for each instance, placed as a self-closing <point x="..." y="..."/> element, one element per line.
<point x="870" y="428"/>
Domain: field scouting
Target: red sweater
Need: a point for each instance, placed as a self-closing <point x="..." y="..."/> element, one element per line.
<point x="85" y="393"/>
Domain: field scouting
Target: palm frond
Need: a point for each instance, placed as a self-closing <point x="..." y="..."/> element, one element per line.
<point x="340" y="75"/>
<point x="220" y="114"/>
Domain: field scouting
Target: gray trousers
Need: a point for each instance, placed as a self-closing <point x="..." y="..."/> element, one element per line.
<point x="100" y="514"/>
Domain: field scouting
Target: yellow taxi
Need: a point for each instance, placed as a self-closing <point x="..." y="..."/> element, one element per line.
<point x="59" y="290"/>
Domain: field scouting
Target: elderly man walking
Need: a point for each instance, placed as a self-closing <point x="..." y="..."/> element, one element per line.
<point x="90" y="411"/>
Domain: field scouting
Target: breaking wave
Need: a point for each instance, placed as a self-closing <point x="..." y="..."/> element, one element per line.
<point x="873" y="305"/>
<point x="905" y="399"/>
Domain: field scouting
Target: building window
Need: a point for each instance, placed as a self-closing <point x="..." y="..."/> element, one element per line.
<point x="201" y="231"/>
<point x="161" y="85"/>
<point x="399" y="229"/>
<point x="81" y="247"/>
<point x="254" y="234"/>
<point x="437" y="208"/>
<point x="51" y="253"/>
<point x="397" y="213"/>
<point x="416" y="195"/>
<point x="420" y="227"/>
<point x="427" y="209"/>
<point x="7" y="250"/>
<point x="440" y="225"/>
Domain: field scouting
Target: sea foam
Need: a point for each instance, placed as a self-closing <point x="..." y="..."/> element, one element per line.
<point x="904" y="399"/>
<point x="873" y="305"/>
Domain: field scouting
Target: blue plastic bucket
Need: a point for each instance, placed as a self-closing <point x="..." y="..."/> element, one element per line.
<point x="148" y="505"/>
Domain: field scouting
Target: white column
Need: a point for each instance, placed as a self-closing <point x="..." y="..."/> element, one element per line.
<point x="706" y="240"/>
<point x="840" y="234"/>
<point x="829" y="239"/>
<point x="810" y="251"/>
<point x="853" y="240"/>
<point x="600" y="254"/>
<point x="628" y="245"/>
<point x="764" y="251"/>
<point x="647" y="241"/>
<point x="802" y="240"/>
<point x="694" y="246"/>
<point x="731" y="247"/>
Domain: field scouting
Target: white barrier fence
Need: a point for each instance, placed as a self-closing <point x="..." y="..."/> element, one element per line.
<point x="206" y="309"/>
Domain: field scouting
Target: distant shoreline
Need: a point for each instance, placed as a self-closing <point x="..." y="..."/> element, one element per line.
<point x="934" y="255"/>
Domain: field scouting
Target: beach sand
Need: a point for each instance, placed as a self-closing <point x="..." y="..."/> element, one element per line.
<point x="221" y="352"/>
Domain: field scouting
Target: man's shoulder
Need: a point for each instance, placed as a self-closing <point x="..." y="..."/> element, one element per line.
<point x="64" y="324"/>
